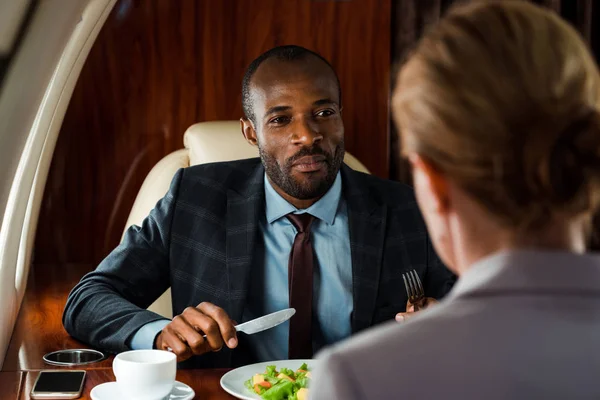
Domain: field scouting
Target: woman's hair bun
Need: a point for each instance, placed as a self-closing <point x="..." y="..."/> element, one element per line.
<point x="564" y="174"/>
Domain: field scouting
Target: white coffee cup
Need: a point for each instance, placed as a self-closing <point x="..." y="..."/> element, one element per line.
<point x="145" y="374"/>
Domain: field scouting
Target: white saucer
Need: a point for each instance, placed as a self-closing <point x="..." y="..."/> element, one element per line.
<point x="110" y="391"/>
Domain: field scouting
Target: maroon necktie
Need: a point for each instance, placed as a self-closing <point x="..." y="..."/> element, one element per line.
<point x="300" y="274"/>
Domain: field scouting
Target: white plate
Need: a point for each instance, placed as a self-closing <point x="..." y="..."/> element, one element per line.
<point x="233" y="381"/>
<point x="110" y="391"/>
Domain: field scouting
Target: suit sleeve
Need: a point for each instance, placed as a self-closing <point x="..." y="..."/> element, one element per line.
<point x="109" y="304"/>
<point x="332" y="380"/>
<point x="438" y="278"/>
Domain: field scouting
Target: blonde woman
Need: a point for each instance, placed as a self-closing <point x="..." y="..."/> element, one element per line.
<point x="499" y="114"/>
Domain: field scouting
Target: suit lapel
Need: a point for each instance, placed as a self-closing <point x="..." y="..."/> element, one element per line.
<point x="244" y="205"/>
<point x="366" y="219"/>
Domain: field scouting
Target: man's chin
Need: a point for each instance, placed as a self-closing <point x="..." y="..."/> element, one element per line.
<point x="307" y="189"/>
<point x="308" y="181"/>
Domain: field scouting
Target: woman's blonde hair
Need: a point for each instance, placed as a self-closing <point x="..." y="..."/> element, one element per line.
<point x="503" y="97"/>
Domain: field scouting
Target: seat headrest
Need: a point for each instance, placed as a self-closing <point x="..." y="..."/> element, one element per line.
<point x="216" y="141"/>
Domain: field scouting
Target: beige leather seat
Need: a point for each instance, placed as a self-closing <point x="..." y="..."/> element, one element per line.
<point x="204" y="142"/>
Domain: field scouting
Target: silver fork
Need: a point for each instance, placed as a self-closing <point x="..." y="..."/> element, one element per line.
<point x="414" y="288"/>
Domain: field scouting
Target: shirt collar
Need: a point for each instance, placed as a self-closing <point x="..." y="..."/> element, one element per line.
<point x="325" y="208"/>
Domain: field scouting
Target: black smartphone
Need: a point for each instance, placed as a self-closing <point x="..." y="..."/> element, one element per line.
<point x="58" y="385"/>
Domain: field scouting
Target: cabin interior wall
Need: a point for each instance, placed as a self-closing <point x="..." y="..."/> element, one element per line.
<point x="159" y="66"/>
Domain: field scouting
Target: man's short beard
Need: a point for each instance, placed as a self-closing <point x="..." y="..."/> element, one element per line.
<point x="315" y="187"/>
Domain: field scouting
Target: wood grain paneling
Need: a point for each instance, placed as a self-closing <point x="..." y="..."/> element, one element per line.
<point x="159" y="66"/>
<point x="204" y="382"/>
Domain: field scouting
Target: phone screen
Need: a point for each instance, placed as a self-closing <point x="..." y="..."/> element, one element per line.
<point x="59" y="382"/>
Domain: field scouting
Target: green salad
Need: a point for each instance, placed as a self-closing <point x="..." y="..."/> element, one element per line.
<point x="284" y="384"/>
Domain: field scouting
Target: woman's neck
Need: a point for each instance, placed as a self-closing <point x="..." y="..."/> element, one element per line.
<point x="483" y="237"/>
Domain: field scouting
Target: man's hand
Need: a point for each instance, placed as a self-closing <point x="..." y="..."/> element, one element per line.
<point x="184" y="334"/>
<point x="410" y="308"/>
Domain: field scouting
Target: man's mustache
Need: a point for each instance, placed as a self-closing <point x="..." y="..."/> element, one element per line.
<point x="308" y="151"/>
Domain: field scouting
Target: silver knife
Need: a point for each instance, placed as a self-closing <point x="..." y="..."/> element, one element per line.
<point x="262" y="323"/>
<point x="266" y="321"/>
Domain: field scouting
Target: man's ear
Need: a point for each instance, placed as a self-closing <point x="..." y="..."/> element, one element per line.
<point x="248" y="131"/>
<point x="431" y="181"/>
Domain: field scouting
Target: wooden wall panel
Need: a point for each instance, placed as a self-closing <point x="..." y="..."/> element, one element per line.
<point x="159" y="66"/>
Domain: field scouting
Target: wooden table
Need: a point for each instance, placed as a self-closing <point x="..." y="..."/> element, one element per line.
<point x="39" y="330"/>
<point x="10" y="384"/>
<point x="204" y="382"/>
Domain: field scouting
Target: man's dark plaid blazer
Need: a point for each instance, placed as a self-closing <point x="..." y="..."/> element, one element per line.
<point x="201" y="238"/>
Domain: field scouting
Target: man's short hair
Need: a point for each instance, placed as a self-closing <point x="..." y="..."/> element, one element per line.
<point x="283" y="53"/>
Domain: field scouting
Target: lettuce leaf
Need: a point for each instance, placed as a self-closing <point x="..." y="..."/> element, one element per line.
<point x="281" y="391"/>
<point x="271" y="371"/>
<point x="288" y="372"/>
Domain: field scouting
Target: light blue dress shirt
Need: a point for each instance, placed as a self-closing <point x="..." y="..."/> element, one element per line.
<point x="332" y="277"/>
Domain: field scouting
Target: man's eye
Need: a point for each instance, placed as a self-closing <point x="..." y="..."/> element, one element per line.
<point x="325" y="113"/>
<point x="279" y="120"/>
